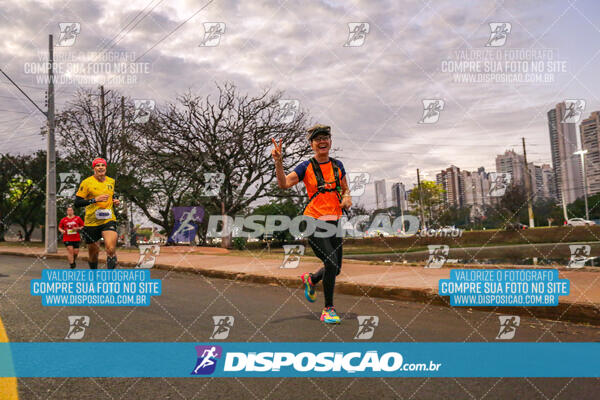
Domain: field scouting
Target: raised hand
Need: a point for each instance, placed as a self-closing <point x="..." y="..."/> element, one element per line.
<point x="277" y="150"/>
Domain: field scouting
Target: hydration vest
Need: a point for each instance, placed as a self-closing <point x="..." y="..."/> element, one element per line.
<point x="321" y="181"/>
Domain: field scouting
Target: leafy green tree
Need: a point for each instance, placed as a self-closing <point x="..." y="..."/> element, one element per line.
<point x="456" y="216"/>
<point x="433" y="200"/>
<point x="26" y="194"/>
<point x="286" y="207"/>
<point x="577" y="208"/>
<point x="547" y="212"/>
<point x="8" y="171"/>
<point x="512" y="207"/>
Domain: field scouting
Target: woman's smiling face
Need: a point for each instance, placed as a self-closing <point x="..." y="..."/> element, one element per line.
<point x="321" y="144"/>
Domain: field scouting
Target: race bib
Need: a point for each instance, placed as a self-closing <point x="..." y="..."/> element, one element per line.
<point x="103" y="213"/>
<point x="71" y="231"/>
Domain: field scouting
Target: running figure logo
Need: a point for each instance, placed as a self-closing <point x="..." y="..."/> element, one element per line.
<point x="212" y="34"/>
<point x="499" y="183"/>
<point x="579" y="255"/>
<point x="207" y="359"/>
<point x="366" y="326"/>
<point x="431" y="110"/>
<point x="438" y="255"/>
<point x="214" y="181"/>
<point x="508" y="326"/>
<point x="186" y="223"/>
<point x="223" y="324"/>
<point x="358" y="34"/>
<point x="68" y="183"/>
<point x="292" y="255"/>
<point x="143" y="109"/>
<point x="499" y="34"/>
<point x="77" y="326"/>
<point x="288" y="110"/>
<point x="357" y="182"/>
<point x="68" y="33"/>
<point x="573" y="111"/>
<point x="148" y="255"/>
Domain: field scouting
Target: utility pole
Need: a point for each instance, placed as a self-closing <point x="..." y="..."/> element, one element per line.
<point x="528" y="187"/>
<point x="131" y="226"/>
<point x="50" y="234"/>
<point x="423" y="226"/>
<point x="564" y="207"/>
<point x="127" y="226"/>
<point x="102" y="122"/>
<point x="402" y="211"/>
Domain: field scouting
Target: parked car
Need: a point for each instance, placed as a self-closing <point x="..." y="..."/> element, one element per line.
<point x="377" y="232"/>
<point x="580" y="222"/>
<point x="515" y="226"/>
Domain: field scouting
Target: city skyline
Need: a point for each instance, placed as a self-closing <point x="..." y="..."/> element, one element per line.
<point x="463" y="187"/>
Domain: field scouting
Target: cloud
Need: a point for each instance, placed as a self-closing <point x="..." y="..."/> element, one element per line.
<point x="370" y="92"/>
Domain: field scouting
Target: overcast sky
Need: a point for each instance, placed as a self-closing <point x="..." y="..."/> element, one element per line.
<point x="371" y="92"/>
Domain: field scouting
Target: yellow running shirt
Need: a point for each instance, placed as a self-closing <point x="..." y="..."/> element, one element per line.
<point x="97" y="214"/>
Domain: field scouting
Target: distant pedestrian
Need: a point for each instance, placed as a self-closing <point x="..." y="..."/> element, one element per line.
<point x="69" y="227"/>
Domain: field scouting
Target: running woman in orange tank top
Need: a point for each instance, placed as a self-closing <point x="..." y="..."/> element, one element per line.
<point x="328" y="193"/>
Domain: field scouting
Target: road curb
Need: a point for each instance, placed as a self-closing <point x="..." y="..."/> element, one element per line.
<point x="567" y="312"/>
<point x="572" y="312"/>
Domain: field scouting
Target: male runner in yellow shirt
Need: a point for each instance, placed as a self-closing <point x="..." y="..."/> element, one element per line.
<point x="96" y="193"/>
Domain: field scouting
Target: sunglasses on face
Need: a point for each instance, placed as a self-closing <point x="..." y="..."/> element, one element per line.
<point x="322" y="138"/>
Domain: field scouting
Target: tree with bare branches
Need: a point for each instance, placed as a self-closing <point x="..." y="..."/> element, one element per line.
<point x="89" y="127"/>
<point x="229" y="135"/>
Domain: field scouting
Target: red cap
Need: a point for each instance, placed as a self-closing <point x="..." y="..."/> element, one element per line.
<point x="98" y="161"/>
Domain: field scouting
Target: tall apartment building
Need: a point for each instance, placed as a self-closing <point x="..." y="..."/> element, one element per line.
<point x="476" y="187"/>
<point x="380" y="194"/>
<point x="589" y="130"/>
<point x="548" y="182"/>
<point x="567" y="166"/>
<point x="512" y="163"/>
<point x="451" y="181"/>
<point x="399" y="197"/>
<point x="536" y="180"/>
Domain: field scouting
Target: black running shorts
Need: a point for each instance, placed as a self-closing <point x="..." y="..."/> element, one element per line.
<point x="91" y="234"/>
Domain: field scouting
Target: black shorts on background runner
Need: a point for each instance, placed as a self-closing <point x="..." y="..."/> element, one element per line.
<point x="74" y="244"/>
<point x="91" y="234"/>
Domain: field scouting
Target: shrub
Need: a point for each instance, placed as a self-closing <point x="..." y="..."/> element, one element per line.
<point x="239" y="243"/>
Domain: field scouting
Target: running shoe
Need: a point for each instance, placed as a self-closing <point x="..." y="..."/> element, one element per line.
<point x="329" y="316"/>
<point x="309" y="288"/>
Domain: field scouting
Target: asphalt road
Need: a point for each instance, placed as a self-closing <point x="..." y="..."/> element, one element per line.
<point x="269" y="313"/>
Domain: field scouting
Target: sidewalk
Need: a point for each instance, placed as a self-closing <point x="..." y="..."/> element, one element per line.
<point x="398" y="282"/>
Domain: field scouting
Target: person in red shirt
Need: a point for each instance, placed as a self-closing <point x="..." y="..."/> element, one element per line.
<point x="328" y="193"/>
<point x="69" y="227"/>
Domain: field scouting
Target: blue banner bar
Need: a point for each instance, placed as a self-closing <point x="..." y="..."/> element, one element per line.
<point x="109" y="288"/>
<point x="226" y="359"/>
<point x="504" y="287"/>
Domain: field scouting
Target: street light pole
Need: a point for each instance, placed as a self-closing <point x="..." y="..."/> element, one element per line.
<point x="423" y="225"/>
<point x="582" y="154"/>
<point x="50" y="233"/>
<point x="528" y="187"/>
